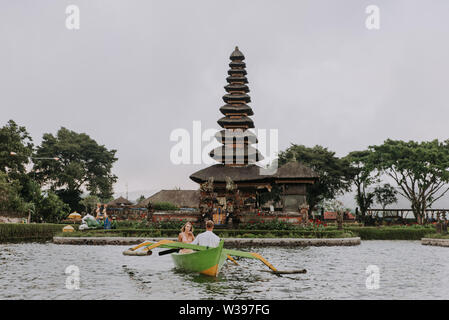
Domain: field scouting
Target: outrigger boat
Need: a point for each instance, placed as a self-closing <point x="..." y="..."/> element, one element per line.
<point x="204" y="260"/>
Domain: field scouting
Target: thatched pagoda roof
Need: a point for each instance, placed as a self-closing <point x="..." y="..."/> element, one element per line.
<point x="250" y="173"/>
<point x="180" y="198"/>
<point x="120" y="201"/>
<point x="220" y="171"/>
<point x="295" y="170"/>
<point x="238" y="136"/>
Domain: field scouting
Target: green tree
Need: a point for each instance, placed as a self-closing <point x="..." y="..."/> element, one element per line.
<point x="83" y="165"/>
<point x="32" y="194"/>
<point x="52" y="209"/>
<point x="140" y="199"/>
<point x="14" y="139"/>
<point x="90" y="203"/>
<point x="335" y="173"/>
<point x="30" y="189"/>
<point x="364" y="175"/>
<point x="385" y="195"/>
<point x="420" y="170"/>
<point x="10" y="199"/>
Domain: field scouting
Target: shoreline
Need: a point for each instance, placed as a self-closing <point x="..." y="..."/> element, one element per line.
<point x="435" y="242"/>
<point x="228" y="242"/>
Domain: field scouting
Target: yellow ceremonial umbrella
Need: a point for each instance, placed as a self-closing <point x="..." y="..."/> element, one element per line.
<point x="68" y="229"/>
<point x="74" y="215"/>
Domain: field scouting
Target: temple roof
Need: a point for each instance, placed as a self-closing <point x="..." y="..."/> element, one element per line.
<point x="252" y="172"/>
<point x="294" y="170"/>
<point x="243" y="121"/>
<point x="239" y="136"/>
<point x="237" y="64"/>
<point x="237" y="108"/>
<point x="236" y="97"/>
<point x="238" y="72"/>
<point x="229" y="155"/>
<point x="237" y="55"/>
<point x="238" y="79"/>
<point x="236" y="87"/>
<point x="180" y="198"/>
<point x="219" y="172"/>
<point x="120" y="201"/>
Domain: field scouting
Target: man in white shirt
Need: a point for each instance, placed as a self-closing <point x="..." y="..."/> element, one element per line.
<point x="208" y="238"/>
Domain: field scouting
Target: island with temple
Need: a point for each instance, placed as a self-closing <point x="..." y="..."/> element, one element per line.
<point x="236" y="187"/>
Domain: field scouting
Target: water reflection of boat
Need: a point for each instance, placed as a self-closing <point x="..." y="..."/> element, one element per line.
<point x="204" y="260"/>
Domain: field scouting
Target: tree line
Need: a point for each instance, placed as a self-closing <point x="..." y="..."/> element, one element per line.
<point x="420" y="171"/>
<point x="48" y="180"/>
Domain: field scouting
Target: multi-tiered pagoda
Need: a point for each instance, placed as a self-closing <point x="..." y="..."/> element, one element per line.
<point x="236" y="138"/>
<point x="237" y="157"/>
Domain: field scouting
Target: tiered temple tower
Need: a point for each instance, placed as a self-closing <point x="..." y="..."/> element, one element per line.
<point x="237" y="159"/>
<point x="236" y="138"/>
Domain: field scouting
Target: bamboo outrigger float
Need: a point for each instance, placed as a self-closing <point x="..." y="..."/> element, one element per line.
<point x="204" y="260"/>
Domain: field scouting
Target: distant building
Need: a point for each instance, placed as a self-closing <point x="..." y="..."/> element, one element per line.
<point x="123" y="209"/>
<point x="332" y="216"/>
<point x="119" y="202"/>
<point x="183" y="199"/>
<point x="13" y="217"/>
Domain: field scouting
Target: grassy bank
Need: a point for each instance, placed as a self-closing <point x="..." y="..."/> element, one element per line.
<point x="44" y="232"/>
<point x="365" y="233"/>
<point x="392" y="233"/>
<point x="19" y="232"/>
<point x="437" y="236"/>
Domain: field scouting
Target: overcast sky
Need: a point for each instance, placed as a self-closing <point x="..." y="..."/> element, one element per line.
<point x="136" y="70"/>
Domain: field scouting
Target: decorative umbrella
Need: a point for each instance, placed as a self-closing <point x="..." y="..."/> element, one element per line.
<point x="74" y="215"/>
<point x="68" y="229"/>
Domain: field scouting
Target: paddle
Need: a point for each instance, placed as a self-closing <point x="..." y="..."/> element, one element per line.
<point x="161" y="253"/>
<point x="286" y="271"/>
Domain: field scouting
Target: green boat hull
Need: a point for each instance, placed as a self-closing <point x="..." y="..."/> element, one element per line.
<point x="208" y="262"/>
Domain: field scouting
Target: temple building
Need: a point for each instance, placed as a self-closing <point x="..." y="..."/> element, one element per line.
<point x="236" y="181"/>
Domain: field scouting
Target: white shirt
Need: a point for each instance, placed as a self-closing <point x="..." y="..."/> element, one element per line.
<point x="207" y="239"/>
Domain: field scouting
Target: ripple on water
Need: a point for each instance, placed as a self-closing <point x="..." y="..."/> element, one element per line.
<point x="408" y="270"/>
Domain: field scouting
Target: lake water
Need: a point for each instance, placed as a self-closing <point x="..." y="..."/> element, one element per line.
<point x="407" y="270"/>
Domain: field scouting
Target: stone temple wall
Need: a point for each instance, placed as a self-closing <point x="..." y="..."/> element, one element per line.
<point x="194" y="216"/>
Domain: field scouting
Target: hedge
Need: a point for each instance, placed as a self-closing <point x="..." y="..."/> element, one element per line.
<point x="224" y="233"/>
<point x="19" y="232"/>
<point x="391" y="233"/>
<point x="12" y="232"/>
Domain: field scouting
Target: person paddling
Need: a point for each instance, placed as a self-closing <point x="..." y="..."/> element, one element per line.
<point x="208" y="238"/>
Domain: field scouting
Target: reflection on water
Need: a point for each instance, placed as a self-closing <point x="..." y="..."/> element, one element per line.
<point x="408" y="270"/>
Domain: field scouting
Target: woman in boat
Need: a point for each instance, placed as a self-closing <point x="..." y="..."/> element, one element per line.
<point x="186" y="236"/>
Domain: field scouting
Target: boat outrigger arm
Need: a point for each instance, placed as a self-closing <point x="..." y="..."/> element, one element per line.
<point x="148" y="246"/>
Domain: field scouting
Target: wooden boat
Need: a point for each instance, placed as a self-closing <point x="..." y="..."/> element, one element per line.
<point x="204" y="260"/>
<point x="208" y="262"/>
